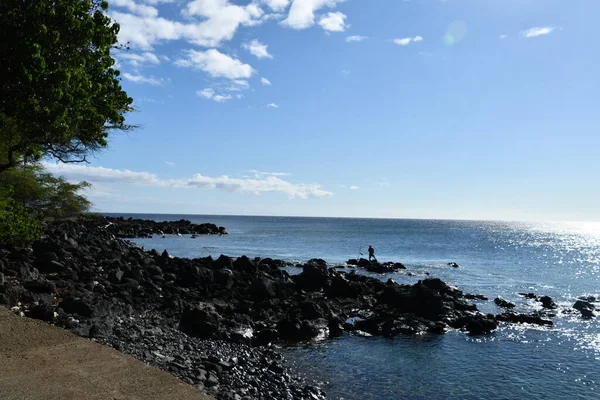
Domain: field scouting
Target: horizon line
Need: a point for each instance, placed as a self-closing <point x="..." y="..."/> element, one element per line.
<point x="346" y="217"/>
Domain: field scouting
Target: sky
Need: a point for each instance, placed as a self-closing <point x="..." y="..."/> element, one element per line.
<point x="455" y="109"/>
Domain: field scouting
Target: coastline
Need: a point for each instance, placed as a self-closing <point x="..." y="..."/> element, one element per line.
<point x="142" y="302"/>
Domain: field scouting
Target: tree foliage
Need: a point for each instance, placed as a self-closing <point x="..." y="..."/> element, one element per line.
<point x="59" y="93"/>
<point x="16" y="224"/>
<point x="43" y="194"/>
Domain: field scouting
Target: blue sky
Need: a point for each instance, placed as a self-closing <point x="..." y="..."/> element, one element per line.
<point x="468" y="109"/>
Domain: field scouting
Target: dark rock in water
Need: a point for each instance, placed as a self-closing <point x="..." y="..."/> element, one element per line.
<point x="363" y="263"/>
<point x="299" y="330"/>
<point x="352" y="261"/>
<point x="336" y="327"/>
<point x="200" y="321"/>
<point x="453" y="264"/>
<point x="585" y="308"/>
<point x="133" y="228"/>
<point x="589" y="299"/>
<point x="503" y="303"/>
<point x="317" y="262"/>
<point x="547" y="302"/>
<point x="481" y="324"/>
<point x="529" y="295"/>
<point x="523" y="318"/>
<point x="475" y="296"/>
<point x="398" y="266"/>
<point x="380" y="268"/>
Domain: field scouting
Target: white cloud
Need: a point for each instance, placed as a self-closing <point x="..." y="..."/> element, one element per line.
<point x="503" y="36"/>
<point x="277" y="5"/>
<point x="302" y="12"/>
<point x="537" y="31"/>
<point x="207" y="93"/>
<point x="407" y="41"/>
<point x="354" y="187"/>
<point x="257" y="49"/>
<point x="265" y="81"/>
<point x="142" y="79"/>
<point x="140" y="9"/>
<point x="170" y="163"/>
<point x="345" y="72"/>
<point x="159" y="1"/>
<point x="266" y="184"/>
<point x="220" y="98"/>
<point x="220" y="21"/>
<point x="272" y="105"/>
<point x="269" y="173"/>
<point x="138" y="59"/>
<point x="356" y="38"/>
<point x="210" y="94"/>
<point x="333" y="22"/>
<point x="216" y="64"/>
<point x="238" y="85"/>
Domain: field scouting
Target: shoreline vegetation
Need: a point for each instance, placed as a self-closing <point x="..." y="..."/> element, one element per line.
<point x="216" y="323"/>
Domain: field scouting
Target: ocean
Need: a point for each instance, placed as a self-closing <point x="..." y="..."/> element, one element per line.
<point x="561" y="260"/>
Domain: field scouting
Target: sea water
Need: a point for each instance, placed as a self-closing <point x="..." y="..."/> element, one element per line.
<point x="561" y="260"/>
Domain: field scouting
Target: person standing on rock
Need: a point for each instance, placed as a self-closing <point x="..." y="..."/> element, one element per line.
<point x="372" y="253"/>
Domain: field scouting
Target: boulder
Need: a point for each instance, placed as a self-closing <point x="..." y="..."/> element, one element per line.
<point x="81" y="306"/>
<point x="313" y="278"/>
<point x="585" y="308"/>
<point x="589" y="299"/>
<point x="115" y="276"/>
<point x="40" y="286"/>
<point x="500" y="302"/>
<point x="529" y="295"/>
<point x="263" y="288"/>
<point x="295" y="329"/>
<point x="223" y="262"/>
<point x="523" y="318"/>
<point x="340" y="288"/>
<point x="43" y="311"/>
<point x="244" y="264"/>
<point x="201" y="321"/>
<point x="475" y="296"/>
<point x="481" y="324"/>
<point x="547" y="302"/>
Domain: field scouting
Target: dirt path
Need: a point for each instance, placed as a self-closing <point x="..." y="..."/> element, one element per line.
<point x="39" y="361"/>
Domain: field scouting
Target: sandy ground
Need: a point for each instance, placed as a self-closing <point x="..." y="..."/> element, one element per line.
<point x="39" y="361"/>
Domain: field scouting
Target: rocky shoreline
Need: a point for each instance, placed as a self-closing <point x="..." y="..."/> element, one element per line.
<point x="212" y="322"/>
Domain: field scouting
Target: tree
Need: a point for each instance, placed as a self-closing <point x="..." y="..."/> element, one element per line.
<point x="41" y="193"/>
<point x="59" y="93"/>
<point x="16" y="224"/>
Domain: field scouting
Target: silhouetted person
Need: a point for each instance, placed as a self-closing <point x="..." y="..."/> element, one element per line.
<point x="372" y="253"/>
